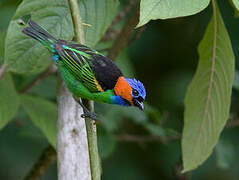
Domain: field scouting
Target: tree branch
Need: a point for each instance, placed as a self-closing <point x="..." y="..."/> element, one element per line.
<point x="110" y="33"/>
<point x="177" y="171"/>
<point x="2" y="70"/>
<point x="93" y="146"/>
<point x="146" y="139"/>
<point x="77" y="21"/>
<point x="72" y="147"/>
<point x="50" y="70"/>
<point x="124" y="35"/>
<point x="233" y="121"/>
<point x="47" y="158"/>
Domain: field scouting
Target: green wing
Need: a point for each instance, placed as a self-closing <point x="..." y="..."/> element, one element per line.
<point x="77" y="61"/>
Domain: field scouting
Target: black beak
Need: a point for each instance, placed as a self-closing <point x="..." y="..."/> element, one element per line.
<point x="138" y="104"/>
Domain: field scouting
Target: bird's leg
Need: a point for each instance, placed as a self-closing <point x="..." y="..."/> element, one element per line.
<point x="87" y="113"/>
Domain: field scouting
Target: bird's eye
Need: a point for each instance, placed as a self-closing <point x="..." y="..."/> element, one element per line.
<point x="135" y="92"/>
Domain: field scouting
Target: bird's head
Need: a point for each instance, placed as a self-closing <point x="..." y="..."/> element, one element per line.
<point x="132" y="91"/>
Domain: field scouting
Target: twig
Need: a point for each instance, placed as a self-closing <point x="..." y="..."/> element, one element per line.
<point x="122" y="13"/>
<point x="77" y="21"/>
<point x="93" y="146"/>
<point x="178" y="169"/>
<point x="137" y="34"/>
<point x="232" y="124"/>
<point x="110" y="33"/>
<point x="146" y="139"/>
<point x="47" y="158"/>
<point x="123" y="37"/>
<point x="233" y="121"/>
<point x="50" y="70"/>
<point x="2" y="70"/>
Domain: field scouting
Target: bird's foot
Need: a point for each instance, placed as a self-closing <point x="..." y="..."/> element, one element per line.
<point x="90" y="115"/>
<point x="87" y="113"/>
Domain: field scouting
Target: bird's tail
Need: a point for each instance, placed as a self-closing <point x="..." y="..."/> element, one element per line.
<point x="41" y="35"/>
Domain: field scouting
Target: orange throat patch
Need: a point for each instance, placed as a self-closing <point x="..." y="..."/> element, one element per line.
<point x="123" y="89"/>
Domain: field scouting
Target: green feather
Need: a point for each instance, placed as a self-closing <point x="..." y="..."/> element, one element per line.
<point x="79" y="90"/>
<point x="76" y="62"/>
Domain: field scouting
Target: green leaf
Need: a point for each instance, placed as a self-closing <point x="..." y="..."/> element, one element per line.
<point x="208" y="97"/>
<point x="46" y="88"/>
<point x="25" y="55"/>
<point x="225" y="154"/>
<point x="236" y="4"/>
<point x="99" y="14"/>
<point x="164" y="9"/>
<point x="9" y="100"/>
<point x="28" y="130"/>
<point x="43" y="113"/>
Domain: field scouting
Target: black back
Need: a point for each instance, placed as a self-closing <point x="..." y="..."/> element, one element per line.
<point x="106" y="71"/>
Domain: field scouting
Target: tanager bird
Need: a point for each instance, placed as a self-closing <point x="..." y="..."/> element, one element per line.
<point x="89" y="74"/>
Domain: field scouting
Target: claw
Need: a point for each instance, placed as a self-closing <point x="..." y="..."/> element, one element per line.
<point x="90" y="115"/>
<point x="87" y="113"/>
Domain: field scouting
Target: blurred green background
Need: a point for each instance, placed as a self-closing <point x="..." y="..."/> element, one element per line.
<point x="164" y="58"/>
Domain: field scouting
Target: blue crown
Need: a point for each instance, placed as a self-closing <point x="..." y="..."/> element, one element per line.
<point x="135" y="84"/>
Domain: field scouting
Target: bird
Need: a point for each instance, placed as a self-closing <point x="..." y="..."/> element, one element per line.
<point x="87" y="73"/>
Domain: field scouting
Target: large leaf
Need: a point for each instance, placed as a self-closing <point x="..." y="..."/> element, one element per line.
<point x="99" y="14"/>
<point x="9" y="100"/>
<point x="25" y="55"/>
<point x="207" y="100"/>
<point x="164" y="9"/>
<point x="43" y="113"/>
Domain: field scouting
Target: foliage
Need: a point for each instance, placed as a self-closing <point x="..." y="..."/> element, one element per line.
<point x="158" y="9"/>
<point x="99" y="15"/>
<point x="43" y="114"/>
<point x="9" y="100"/>
<point x="236" y="4"/>
<point x="32" y="57"/>
<point x="206" y="113"/>
<point x="164" y="58"/>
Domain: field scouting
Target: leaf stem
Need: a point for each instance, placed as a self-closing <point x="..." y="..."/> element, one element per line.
<point x="77" y="21"/>
<point x="111" y="33"/>
<point x="37" y="79"/>
<point x="47" y="158"/>
<point x="93" y="146"/>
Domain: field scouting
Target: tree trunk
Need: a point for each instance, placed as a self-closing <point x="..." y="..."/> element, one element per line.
<point x="72" y="146"/>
